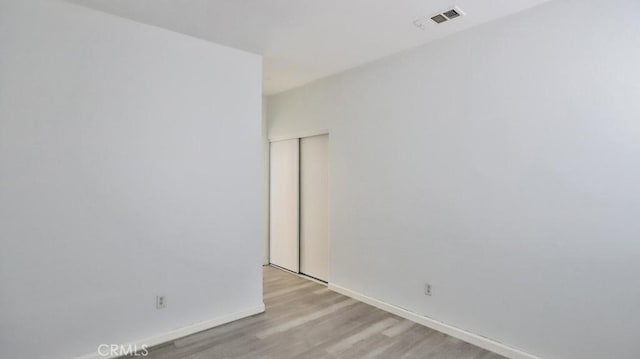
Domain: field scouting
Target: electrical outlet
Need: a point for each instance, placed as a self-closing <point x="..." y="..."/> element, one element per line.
<point x="427" y="289"/>
<point x="161" y="302"/>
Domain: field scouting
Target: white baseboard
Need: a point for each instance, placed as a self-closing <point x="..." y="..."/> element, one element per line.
<point x="461" y="334"/>
<point x="183" y="332"/>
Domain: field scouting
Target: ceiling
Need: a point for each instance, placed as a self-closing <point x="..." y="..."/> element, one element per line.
<point x="304" y="40"/>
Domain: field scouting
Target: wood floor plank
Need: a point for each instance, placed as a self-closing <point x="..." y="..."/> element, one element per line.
<point x="399" y="328"/>
<point x="287" y="290"/>
<point x="307" y="318"/>
<point x="364" y="334"/>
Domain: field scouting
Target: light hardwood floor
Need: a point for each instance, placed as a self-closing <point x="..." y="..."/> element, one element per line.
<point x="305" y="320"/>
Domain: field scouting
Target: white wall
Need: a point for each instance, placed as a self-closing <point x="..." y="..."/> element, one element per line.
<point x="502" y="165"/>
<point x="130" y="166"/>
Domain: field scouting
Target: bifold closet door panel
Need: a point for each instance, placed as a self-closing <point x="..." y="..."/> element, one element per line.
<point x="314" y="207"/>
<point x="284" y="210"/>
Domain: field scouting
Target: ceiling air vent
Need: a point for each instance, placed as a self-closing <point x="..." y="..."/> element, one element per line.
<point x="447" y="15"/>
<point x="451" y="14"/>
<point x="439" y="19"/>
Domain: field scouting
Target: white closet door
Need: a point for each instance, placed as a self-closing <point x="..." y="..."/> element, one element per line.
<point x="284" y="211"/>
<point x="314" y="207"/>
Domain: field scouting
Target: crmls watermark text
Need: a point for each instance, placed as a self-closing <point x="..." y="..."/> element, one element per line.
<point x="117" y="350"/>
